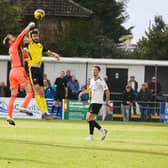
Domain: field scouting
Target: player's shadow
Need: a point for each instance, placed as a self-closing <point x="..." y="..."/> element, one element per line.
<point x="141" y="143"/>
<point x="84" y="147"/>
<point x="10" y="160"/>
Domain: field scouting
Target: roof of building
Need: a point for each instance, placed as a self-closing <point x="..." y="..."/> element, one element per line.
<point x="56" y="8"/>
<point x="100" y="61"/>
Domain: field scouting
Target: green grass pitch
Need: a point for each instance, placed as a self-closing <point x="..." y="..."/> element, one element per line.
<point x="61" y="144"/>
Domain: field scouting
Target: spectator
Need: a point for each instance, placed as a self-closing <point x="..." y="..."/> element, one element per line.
<point x="87" y="86"/>
<point x="151" y="104"/>
<point x="3" y="90"/>
<point x="61" y="92"/>
<point x="156" y="89"/>
<point x="147" y="87"/>
<point x="134" y="85"/>
<point x="49" y="92"/>
<point x="154" y="86"/>
<point x="68" y="76"/>
<point x="104" y="109"/>
<point x="73" y="88"/>
<point x="107" y="81"/>
<point x="143" y="98"/>
<point x="48" y="81"/>
<point x="128" y="99"/>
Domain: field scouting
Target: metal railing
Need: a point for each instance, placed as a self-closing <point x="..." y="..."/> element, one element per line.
<point x="142" y="111"/>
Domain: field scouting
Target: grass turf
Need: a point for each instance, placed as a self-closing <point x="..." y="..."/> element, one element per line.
<point x="61" y="144"/>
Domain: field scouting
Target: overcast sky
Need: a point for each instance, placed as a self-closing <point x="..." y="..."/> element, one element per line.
<point x="141" y="12"/>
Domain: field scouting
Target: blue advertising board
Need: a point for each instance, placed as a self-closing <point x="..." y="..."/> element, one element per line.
<point x="32" y="107"/>
<point x="164" y="112"/>
<point x="56" y="112"/>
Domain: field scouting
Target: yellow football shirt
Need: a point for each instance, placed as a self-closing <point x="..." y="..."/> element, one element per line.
<point x="36" y="51"/>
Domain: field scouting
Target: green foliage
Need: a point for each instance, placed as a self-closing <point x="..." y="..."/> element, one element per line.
<point x="10" y="20"/>
<point x="97" y="36"/>
<point x="111" y="14"/>
<point x="84" y="39"/>
<point x="154" y="45"/>
<point x="77" y="39"/>
<point x="91" y="37"/>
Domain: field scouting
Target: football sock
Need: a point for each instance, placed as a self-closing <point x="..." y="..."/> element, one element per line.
<point x="91" y="136"/>
<point x="27" y="99"/>
<point x="91" y="127"/>
<point x="58" y="109"/>
<point x="44" y="104"/>
<point x="102" y="130"/>
<point x="96" y="125"/>
<point x="10" y="106"/>
<point x="52" y="110"/>
<point x="38" y="101"/>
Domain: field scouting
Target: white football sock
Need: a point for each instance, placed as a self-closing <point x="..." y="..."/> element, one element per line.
<point x="102" y="130"/>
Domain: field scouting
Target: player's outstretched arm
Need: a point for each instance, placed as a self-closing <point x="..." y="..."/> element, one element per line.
<point x="24" y="32"/>
<point x="31" y="25"/>
<point x="53" y="54"/>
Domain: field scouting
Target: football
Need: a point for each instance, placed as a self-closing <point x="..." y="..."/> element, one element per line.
<point x="39" y="14"/>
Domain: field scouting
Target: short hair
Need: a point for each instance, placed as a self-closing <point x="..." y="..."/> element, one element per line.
<point x="35" y="31"/>
<point x="97" y="67"/>
<point x="68" y="70"/>
<point x="154" y="78"/>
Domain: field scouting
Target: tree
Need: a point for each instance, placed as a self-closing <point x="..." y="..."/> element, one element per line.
<point x="154" y="45"/>
<point x="80" y="37"/>
<point x="111" y="15"/>
<point x="96" y="37"/>
<point x="10" y="21"/>
<point x="84" y="39"/>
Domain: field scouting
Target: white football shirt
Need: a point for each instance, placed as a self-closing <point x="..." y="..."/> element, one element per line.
<point x="97" y="88"/>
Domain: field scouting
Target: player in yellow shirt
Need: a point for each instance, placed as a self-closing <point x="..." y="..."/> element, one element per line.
<point x="35" y="53"/>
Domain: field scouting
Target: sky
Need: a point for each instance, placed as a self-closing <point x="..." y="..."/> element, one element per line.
<point x="142" y="12"/>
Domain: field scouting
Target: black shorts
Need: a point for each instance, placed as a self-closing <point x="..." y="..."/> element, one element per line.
<point x="59" y="96"/>
<point x="36" y="76"/>
<point x="95" y="108"/>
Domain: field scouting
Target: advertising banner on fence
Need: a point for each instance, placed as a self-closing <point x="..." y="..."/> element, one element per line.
<point x="75" y="110"/>
<point x="16" y="114"/>
<point x="164" y="112"/>
<point x="70" y="110"/>
<point x="57" y="113"/>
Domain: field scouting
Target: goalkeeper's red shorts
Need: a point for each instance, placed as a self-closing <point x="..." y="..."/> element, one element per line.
<point x="18" y="77"/>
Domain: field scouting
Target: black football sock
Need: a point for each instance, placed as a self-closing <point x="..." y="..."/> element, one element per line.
<point x="96" y="125"/>
<point x="52" y="110"/>
<point x="58" y="109"/>
<point x="91" y="127"/>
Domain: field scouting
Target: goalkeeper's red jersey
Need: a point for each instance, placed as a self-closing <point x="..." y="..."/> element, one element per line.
<point x="16" y="51"/>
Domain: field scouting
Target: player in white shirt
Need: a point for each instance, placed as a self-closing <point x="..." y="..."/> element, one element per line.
<point x="97" y="87"/>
